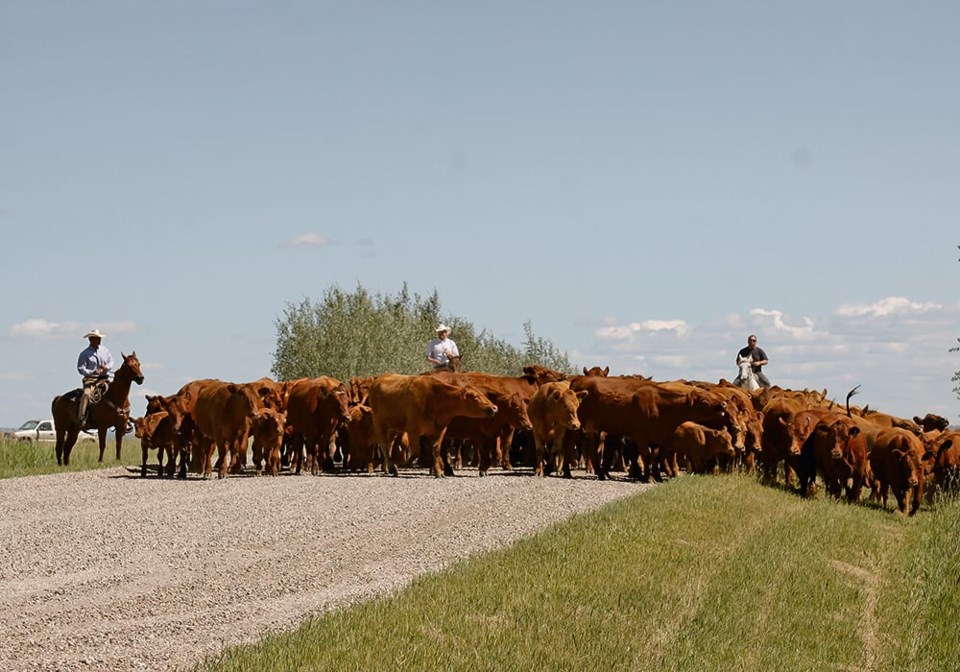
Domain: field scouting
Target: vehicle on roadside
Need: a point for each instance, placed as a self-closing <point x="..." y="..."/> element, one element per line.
<point x="44" y="431"/>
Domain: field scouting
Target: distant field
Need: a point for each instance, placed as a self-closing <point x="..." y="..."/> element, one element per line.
<point x="702" y="573"/>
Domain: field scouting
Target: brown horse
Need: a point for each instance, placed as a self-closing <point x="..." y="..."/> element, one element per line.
<point x="112" y="411"/>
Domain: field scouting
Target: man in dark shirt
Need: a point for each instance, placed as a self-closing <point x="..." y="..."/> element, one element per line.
<point x="759" y="357"/>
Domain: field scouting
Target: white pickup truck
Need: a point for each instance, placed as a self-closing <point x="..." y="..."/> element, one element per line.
<point x="44" y="430"/>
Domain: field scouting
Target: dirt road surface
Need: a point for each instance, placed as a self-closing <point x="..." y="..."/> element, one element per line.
<point x="102" y="570"/>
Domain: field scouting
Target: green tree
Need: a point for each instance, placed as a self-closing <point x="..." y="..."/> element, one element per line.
<point x="363" y="334"/>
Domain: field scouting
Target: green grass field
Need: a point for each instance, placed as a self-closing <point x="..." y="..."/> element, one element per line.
<point x="702" y="573"/>
<point x="22" y="458"/>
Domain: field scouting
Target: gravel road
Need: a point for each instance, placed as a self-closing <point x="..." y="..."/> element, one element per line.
<point x="102" y="570"/>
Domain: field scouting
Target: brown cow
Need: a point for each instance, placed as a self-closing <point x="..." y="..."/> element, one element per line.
<point x="701" y="446"/>
<point x="946" y="463"/>
<point x="524" y="387"/>
<point x="157" y="431"/>
<point x="643" y="412"/>
<point x="777" y="413"/>
<point x="544" y="375"/>
<point x="183" y="407"/>
<point x="359" y="442"/>
<point x="222" y="414"/>
<point x="841" y="449"/>
<point x="597" y="371"/>
<point x="485" y="433"/>
<point x="421" y="406"/>
<point x="801" y="457"/>
<point x="553" y="411"/>
<point x="897" y="463"/>
<point x="932" y="422"/>
<point x="359" y="388"/>
<point x="267" y="429"/>
<point x="315" y="408"/>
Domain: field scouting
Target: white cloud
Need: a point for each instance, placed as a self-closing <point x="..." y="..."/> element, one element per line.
<point x="892" y="305"/>
<point x="896" y="349"/>
<point x="17" y="376"/>
<point x="775" y="320"/>
<point x="309" y="240"/>
<point x="629" y="331"/>
<point x="48" y="330"/>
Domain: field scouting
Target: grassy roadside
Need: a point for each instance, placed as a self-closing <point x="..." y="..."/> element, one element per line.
<point x="22" y="458"/>
<point x="703" y="573"/>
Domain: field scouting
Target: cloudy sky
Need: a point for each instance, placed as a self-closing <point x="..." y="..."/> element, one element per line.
<point x="645" y="182"/>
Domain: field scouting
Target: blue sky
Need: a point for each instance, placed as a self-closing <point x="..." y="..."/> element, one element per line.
<point x="645" y="182"/>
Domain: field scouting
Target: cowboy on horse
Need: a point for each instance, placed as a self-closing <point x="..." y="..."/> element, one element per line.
<point x="442" y="352"/>
<point x="94" y="364"/>
<point x="101" y="404"/>
<point x="750" y="360"/>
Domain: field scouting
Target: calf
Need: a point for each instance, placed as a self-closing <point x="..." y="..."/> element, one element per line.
<point x="700" y="445"/>
<point x="553" y="411"/>
<point x="267" y="429"/>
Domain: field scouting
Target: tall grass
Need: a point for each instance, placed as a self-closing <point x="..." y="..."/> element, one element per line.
<point x="703" y="573"/>
<point x="22" y="458"/>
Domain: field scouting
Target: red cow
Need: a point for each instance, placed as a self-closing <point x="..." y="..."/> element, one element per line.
<point x="946" y="464"/>
<point x="701" y="446"/>
<point x="485" y="433"/>
<point x="157" y="431"/>
<point x="359" y="441"/>
<point x="897" y="463"/>
<point x="643" y="412"/>
<point x="267" y="429"/>
<point x="841" y="449"/>
<point x="421" y="406"/>
<point x="222" y="414"/>
<point x="553" y="412"/>
<point x="315" y="408"/>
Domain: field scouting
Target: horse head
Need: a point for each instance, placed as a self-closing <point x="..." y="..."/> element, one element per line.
<point x="748" y="379"/>
<point x="132" y="365"/>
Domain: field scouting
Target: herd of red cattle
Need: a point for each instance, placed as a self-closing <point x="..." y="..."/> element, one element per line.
<point x="551" y="422"/>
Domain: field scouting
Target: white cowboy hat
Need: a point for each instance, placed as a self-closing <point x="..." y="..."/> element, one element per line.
<point x="94" y="333"/>
<point x="443" y="327"/>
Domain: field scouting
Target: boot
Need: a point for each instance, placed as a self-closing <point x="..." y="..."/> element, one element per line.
<point x="82" y="411"/>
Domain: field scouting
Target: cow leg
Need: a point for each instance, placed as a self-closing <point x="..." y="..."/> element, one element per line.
<point x="484" y="455"/>
<point x="223" y="454"/>
<point x="439" y="468"/>
<point x="145" y="454"/>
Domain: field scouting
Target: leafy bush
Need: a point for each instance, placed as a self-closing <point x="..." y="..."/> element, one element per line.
<point x="364" y="334"/>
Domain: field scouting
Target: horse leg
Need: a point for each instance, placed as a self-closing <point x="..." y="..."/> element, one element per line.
<point x="119" y="432"/>
<point x="71" y="440"/>
<point x="102" y="436"/>
<point x="61" y="436"/>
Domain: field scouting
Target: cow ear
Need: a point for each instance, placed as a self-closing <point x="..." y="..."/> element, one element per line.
<point x="606" y="370"/>
<point x="584" y="370"/>
<point x="582" y="394"/>
<point x="927" y="456"/>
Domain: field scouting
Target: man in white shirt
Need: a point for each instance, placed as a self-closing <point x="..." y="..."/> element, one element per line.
<point x="441" y="348"/>
<point x="94" y="364"/>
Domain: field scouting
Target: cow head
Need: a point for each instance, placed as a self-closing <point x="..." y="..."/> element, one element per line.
<point x="565" y="403"/>
<point x="476" y="404"/>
